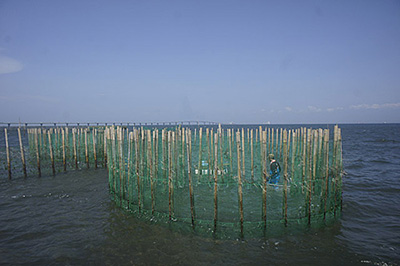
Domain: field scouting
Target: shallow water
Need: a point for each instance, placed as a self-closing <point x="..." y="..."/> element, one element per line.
<point x="70" y="219"/>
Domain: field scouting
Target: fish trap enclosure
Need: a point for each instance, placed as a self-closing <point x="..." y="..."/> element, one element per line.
<point x="47" y="151"/>
<point x="216" y="180"/>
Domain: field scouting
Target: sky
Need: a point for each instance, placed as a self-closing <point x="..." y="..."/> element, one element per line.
<point x="228" y="61"/>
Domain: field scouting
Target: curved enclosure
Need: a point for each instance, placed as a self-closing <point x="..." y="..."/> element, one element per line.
<point x="217" y="180"/>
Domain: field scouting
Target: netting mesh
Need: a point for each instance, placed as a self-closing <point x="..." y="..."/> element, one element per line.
<point x="216" y="179"/>
<point x="212" y="180"/>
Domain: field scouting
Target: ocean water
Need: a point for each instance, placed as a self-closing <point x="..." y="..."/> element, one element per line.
<point x="70" y="219"/>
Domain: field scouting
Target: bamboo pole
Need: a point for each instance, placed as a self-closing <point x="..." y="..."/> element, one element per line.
<point x="163" y="150"/>
<point x="263" y="135"/>
<point x="272" y="140"/>
<point x="309" y="173"/>
<point x="294" y="142"/>
<point x="105" y="147"/>
<point x="183" y="137"/>
<point x="230" y="131"/>
<point x="113" y="158"/>
<point x="326" y="163"/>
<point x="120" y="163"/>
<point x="86" y="149"/>
<point x="280" y="143"/>
<point x="215" y="181"/>
<point x="251" y="155"/>
<point x="170" y="181"/>
<point x="200" y="151"/>
<point x="129" y="142"/>
<point x="304" y="158"/>
<point x="243" y="157"/>
<point x="189" y="165"/>
<point x="340" y="164"/>
<point x="320" y="161"/>
<point x="335" y="166"/>
<point x="155" y="153"/>
<point x="8" y="154"/>
<point x="240" y="193"/>
<point x="285" y="173"/>
<point x="315" y="150"/>
<point x="211" y="164"/>
<point x="21" y="147"/>
<point x="220" y="146"/>
<point x="150" y="169"/>
<point x="137" y="154"/>
<point x="94" y="131"/>
<point x="79" y="141"/>
<point x="37" y="152"/>
<point x="208" y="150"/>
<point x="51" y="153"/>
<point x="74" y="144"/>
<point x="63" y="149"/>
<point x="262" y="152"/>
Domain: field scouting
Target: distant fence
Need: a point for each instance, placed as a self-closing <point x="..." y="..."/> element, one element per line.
<point x="89" y="124"/>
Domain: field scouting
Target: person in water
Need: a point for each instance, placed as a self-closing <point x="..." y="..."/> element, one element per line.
<point x="274" y="170"/>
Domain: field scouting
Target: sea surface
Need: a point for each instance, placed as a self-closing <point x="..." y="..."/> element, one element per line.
<point x="70" y="219"/>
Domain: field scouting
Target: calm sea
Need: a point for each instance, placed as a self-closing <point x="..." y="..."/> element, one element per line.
<point x="69" y="219"/>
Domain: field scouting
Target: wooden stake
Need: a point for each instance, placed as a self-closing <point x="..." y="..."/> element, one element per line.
<point x="326" y="163"/>
<point x="221" y="148"/>
<point x="200" y="151"/>
<point x="94" y="131"/>
<point x="150" y="169"/>
<point x="215" y="181"/>
<point x="208" y="150"/>
<point x="285" y="174"/>
<point x="294" y="141"/>
<point x="272" y="140"/>
<point x="51" y="153"/>
<point x="309" y="167"/>
<point x="243" y="158"/>
<point x="230" y="150"/>
<point x="170" y="181"/>
<point x="63" y="149"/>
<point x="86" y="149"/>
<point x="21" y="147"/>
<point x="263" y="135"/>
<point x="251" y="155"/>
<point x="189" y="165"/>
<point x="8" y="154"/>
<point x="136" y="135"/>
<point x="280" y="144"/>
<point x="37" y="152"/>
<point x="335" y="166"/>
<point x="240" y="194"/>
<point x="74" y="144"/>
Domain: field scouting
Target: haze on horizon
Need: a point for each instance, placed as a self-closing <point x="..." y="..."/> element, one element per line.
<point x="225" y="61"/>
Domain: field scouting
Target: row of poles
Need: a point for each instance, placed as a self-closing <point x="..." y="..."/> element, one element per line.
<point x="139" y="150"/>
<point x="65" y="146"/>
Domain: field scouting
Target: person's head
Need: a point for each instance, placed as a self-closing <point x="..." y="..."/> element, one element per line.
<point x="271" y="157"/>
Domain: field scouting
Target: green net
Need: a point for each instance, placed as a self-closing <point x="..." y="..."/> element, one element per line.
<point x="208" y="180"/>
<point x="216" y="180"/>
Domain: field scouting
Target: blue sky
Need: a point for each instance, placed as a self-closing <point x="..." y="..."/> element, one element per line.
<point x="224" y="61"/>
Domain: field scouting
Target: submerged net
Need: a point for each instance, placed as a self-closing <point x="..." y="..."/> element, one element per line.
<point x="214" y="180"/>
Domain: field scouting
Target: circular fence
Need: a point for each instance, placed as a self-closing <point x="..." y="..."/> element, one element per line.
<point x="219" y="180"/>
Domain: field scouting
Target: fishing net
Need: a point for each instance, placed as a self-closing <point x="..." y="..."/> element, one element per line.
<point x="209" y="180"/>
<point x="214" y="180"/>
